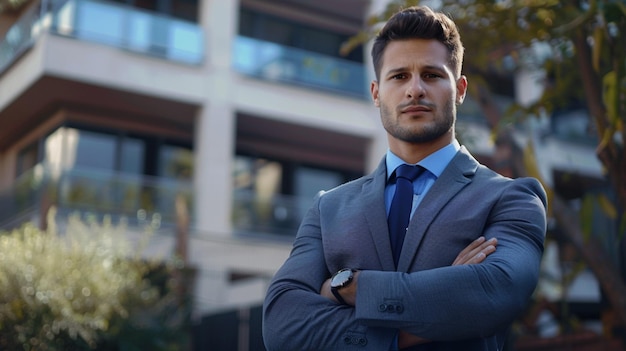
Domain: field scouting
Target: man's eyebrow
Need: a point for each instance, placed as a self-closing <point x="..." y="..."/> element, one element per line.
<point x="396" y="70"/>
<point x="439" y="68"/>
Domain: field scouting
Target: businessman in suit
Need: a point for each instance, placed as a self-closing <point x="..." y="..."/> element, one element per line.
<point x="355" y="282"/>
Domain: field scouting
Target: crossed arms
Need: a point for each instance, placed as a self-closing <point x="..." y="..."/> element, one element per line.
<point x="451" y="302"/>
<point x="474" y="253"/>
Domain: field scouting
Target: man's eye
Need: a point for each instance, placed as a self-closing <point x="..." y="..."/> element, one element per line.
<point x="399" y="76"/>
<point x="431" y="76"/>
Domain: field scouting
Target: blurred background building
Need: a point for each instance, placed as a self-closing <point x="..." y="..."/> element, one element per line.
<point x="242" y="110"/>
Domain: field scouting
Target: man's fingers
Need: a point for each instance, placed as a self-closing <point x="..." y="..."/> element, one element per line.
<point x="469" y="251"/>
<point x="476" y="251"/>
<point x="480" y="256"/>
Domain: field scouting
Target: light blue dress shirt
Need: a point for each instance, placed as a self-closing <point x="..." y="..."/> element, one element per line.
<point x="434" y="164"/>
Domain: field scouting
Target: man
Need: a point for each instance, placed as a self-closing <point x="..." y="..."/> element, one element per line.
<point x="422" y="298"/>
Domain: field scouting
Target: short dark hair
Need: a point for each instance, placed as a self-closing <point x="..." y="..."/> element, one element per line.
<point x="420" y="22"/>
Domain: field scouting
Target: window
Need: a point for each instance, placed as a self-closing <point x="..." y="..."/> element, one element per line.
<point x="309" y="181"/>
<point x="69" y="147"/>
<point x="175" y="162"/>
<point x="573" y="124"/>
<point x="272" y="196"/>
<point x="27" y="158"/>
<point x="183" y="9"/>
<point x="271" y="177"/>
<point x="91" y="150"/>
<point x="132" y="156"/>
<point x="281" y="31"/>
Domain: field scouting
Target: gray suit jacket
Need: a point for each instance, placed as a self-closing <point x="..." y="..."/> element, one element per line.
<point x="466" y="307"/>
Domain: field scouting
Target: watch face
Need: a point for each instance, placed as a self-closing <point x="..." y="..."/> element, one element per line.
<point x="342" y="278"/>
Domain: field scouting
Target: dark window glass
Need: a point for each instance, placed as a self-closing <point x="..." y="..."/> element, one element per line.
<point x="319" y="41"/>
<point x="573" y="124"/>
<point x="269" y="177"/>
<point x="260" y="176"/>
<point x="91" y="150"/>
<point x="281" y="31"/>
<point x="175" y="162"/>
<point x="271" y="196"/>
<point x="117" y="152"/>
<point x="27" y="158"/>
<point x="309" y="181"/>
<point x="132" y="156"/>
<point x="182" y="9"/>
<point x="185" y="9"/>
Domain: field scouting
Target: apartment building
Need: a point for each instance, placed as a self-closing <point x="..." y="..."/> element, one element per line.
<point x="242" y="108"/>
<point x="246" y="109"/>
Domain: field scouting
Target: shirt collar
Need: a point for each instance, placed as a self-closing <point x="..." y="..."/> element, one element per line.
<point x="435" y="163"/>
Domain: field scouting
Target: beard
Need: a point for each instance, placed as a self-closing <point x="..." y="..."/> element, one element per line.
<point x="425" y="132"/>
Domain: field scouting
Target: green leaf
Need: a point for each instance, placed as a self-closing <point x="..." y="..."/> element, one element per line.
<point x="586" y="216"/>
<point x="607" y="206"/>
<point x="610" y="94"/>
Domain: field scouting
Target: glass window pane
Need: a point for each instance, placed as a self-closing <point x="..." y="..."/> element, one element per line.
<point x="132" y="156"/>
<point x="258" y="204"/>
<point x="175" y="162"/>
<point x="309" y="181"/>
<point x="262" y="177"/>
<point x="27" y="158"/>
<point x="93" y="150"/>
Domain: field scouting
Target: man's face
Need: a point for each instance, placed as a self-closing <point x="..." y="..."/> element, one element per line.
<point x="417" y="92"/>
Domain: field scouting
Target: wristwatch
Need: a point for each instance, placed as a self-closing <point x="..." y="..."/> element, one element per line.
<point x="340" y="280"/>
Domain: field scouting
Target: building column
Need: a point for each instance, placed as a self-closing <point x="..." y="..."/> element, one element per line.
<point x="379" y="143"/>
<point x="215" y="124"/>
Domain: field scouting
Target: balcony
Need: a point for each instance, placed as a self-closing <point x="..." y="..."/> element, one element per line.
<point x="277" y="216"/>
<point x="141" y="200"/>
<point x="274" y="62"/>
<point x="106" y="23"/>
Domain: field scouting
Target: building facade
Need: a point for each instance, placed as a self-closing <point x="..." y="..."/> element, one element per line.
<point x="244" y="109"/>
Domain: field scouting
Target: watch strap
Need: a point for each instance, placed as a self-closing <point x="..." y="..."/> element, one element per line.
<point x="338" y="296"/>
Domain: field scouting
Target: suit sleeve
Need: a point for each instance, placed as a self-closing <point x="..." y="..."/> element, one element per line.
<point x="459" y="302"/>
<point x="297" y="317"/>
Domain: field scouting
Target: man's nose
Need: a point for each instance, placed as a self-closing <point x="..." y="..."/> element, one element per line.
<point x="415" y="88"/>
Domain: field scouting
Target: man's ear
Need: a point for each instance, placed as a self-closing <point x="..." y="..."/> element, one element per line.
<point x="374" y="92"/>
<point x="461" y="89"/>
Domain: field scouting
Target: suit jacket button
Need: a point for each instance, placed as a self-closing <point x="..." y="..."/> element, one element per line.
<point x="362" y="341"/>
<point x="399" y="308"/>
<point x="382" y="307"/>
<point x="347" y="339"/>
<point x="390" y="308"/>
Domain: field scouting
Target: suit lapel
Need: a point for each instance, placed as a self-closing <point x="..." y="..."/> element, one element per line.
<point x="454" y="178"/>
<point x="376" y="215"/>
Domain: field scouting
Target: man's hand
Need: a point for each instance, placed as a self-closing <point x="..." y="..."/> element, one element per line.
<point x="476" y="252"/>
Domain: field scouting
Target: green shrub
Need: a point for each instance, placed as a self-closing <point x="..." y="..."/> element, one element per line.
<point x="86" y="289"/>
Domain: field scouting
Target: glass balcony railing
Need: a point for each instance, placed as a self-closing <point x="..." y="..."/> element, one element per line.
<point x="137" y="198"/>
<point x="19" y="38"/>
<point x="107" y="23"/>
<point x="276" y="62"/>
<point x="277" y="215"/>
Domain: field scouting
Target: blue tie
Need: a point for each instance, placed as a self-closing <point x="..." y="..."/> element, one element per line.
<point x="400" y="210"/>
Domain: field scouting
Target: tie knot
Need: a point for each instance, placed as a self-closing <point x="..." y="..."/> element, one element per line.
<point x="408" y="172"/>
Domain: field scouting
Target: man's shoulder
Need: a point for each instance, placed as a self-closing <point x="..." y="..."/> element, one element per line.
<point x="348" y="187"/>
<point x="493" y="181"/>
